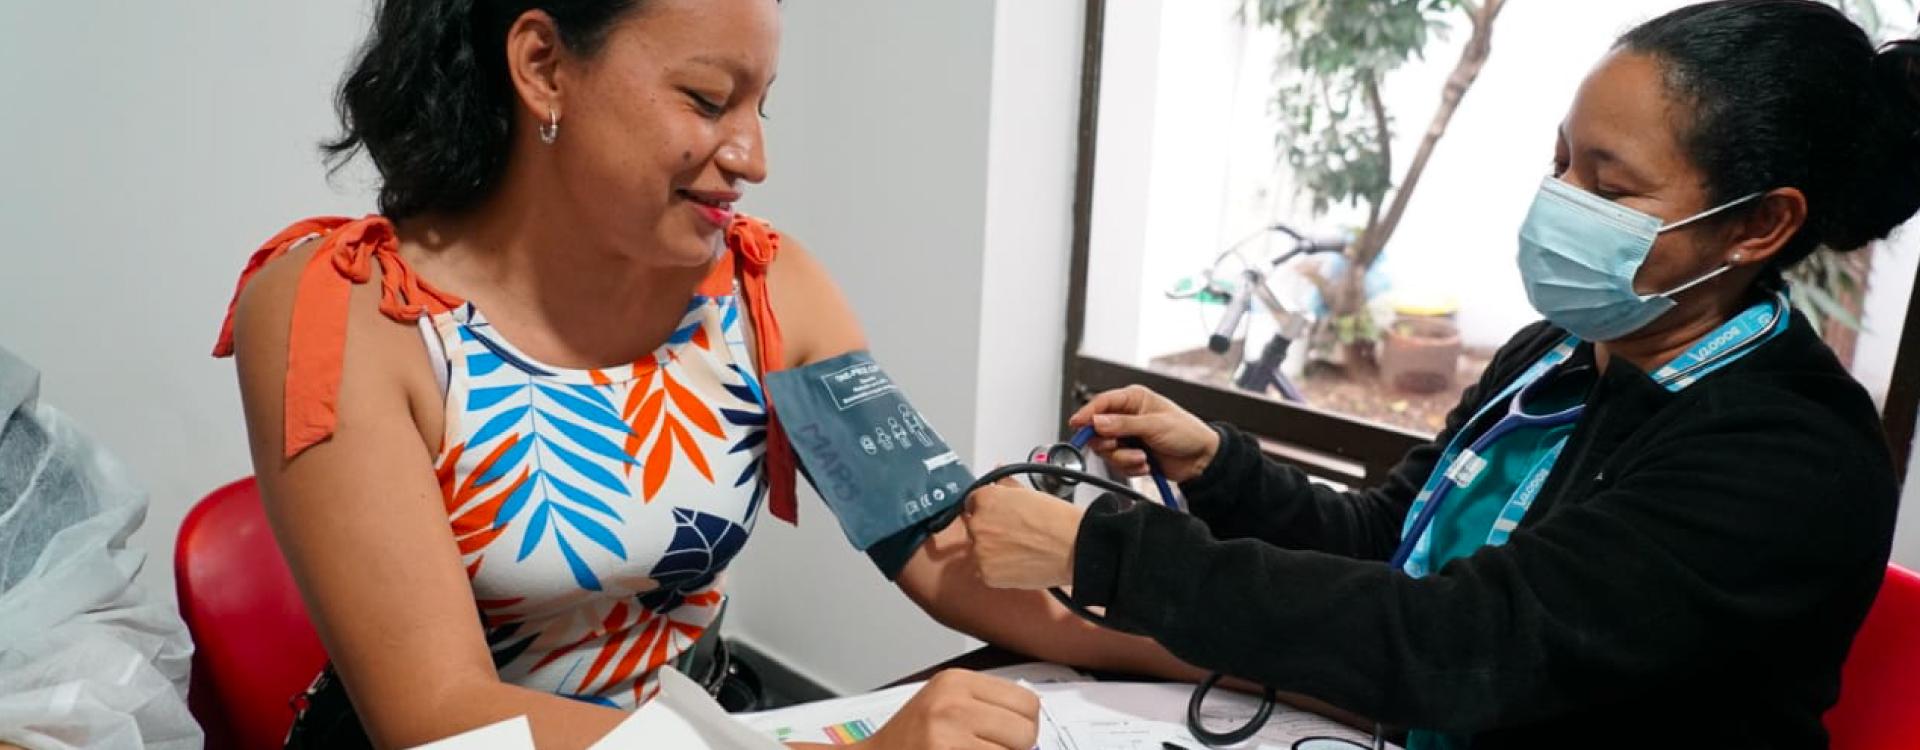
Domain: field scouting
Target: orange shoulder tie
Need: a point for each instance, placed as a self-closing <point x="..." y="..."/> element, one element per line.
<point x="316" y="343"/>
<point x="754" y="246"/>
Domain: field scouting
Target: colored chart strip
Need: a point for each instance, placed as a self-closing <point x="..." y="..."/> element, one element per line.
<point x="849" y="733"/>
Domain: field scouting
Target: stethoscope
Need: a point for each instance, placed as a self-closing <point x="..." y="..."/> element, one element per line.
<point x="1059" y="468"/>
<point x="1734" y="338"/>
<point x="1469" y="463"/>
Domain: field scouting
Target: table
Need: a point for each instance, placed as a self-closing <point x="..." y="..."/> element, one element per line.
<point x="994" y="657"/>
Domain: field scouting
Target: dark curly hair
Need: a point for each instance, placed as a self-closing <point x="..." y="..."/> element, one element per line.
<point x="429" y="98"/>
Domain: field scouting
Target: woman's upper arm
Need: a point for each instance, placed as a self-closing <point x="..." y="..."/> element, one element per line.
<point x="815" y="319"/>
<point x="359" y="516"/>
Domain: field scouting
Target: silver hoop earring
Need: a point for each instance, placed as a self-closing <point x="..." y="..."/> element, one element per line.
<point x="550" y="131"/>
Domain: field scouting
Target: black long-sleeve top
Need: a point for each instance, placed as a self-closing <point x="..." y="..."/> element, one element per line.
<point x="1691" y="575"/>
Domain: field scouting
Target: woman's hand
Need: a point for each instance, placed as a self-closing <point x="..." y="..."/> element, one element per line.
<point x="1022" y="538"/>
<point x="1182" y="443"/>
<point x="960" y="709"/>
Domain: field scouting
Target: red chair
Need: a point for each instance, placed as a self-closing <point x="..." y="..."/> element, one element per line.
<point x="1880" y="684"/>
<point x="254" y="647"/>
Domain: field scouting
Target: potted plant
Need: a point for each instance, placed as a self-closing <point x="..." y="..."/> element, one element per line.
<point x="1420" y="349"/>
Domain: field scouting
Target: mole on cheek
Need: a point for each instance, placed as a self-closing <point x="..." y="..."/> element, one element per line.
<point x="686" y="157"/>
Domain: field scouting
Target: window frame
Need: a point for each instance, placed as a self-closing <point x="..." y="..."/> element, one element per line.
<point x="1326" y="444"/>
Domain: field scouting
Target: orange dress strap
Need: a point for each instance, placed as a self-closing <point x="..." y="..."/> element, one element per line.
<point x="755" y="245"/>
<point x="317" y="340"/>
<point x="316" y="344"/>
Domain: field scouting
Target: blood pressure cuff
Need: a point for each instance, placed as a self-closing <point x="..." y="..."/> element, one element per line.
<point x="886" y="474"/>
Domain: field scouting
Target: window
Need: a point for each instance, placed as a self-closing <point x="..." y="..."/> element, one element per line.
<point x="1183" y="180"/>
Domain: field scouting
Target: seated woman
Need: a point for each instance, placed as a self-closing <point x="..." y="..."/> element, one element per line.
<point x="1661" y="514"/>
<point x="532" y="386"/>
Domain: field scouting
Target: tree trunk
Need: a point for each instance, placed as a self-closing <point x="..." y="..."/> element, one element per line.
<point x="1351" y="295"/>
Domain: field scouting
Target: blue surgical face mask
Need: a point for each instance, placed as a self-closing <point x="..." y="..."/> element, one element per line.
<point x="1579" y="253"/>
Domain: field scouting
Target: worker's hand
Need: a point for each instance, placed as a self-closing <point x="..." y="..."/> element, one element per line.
<point x="1183" y="444"/>
<point x="961" y="709"/>
<point x="1022" y="538"/>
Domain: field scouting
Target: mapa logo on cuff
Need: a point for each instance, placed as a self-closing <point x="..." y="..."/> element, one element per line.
<point x="876" y="461"/>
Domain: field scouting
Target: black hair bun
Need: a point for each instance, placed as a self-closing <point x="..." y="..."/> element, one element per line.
<point x="1892" y="148"/>
<point x="1897" y="68"/>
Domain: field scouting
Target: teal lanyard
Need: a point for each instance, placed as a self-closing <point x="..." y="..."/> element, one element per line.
<point x="1459" y="466"/>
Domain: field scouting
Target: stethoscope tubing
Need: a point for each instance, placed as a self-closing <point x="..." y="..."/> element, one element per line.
<point x="1084" y="436"/>
<point x="1515" y="419"/>
<point x="1081" y="438"/>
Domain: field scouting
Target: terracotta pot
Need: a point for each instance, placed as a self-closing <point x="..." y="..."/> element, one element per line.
<point x="1420" y="355"/>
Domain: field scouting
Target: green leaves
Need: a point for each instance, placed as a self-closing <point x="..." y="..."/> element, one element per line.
<point x="1336" y="144"/>
<point x="1331" y="143"/>
<point x="1355" y="328"/>
<point x="1336" y="36"/>
<point x="1823" y="283"/>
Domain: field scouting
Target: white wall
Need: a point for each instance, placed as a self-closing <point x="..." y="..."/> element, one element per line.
<point x="1030" y="191"/>
<point x="924" y="151"/>
<point x="1129" y="79"/>
<point x="147" y="148"/>
<point x="877" y="142"/>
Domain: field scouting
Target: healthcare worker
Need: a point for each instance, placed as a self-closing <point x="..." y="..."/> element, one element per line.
<point x="1659" y="516"/>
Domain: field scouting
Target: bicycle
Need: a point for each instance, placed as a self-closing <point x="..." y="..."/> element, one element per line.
<point x="1251" y="287"/>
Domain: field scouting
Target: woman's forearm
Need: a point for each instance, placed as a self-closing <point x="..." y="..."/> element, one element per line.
<point x="941" y="578"/>
<point x="555" y="721"/>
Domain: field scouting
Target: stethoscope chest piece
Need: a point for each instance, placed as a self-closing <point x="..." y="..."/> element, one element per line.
<point x="1063" y="455"/>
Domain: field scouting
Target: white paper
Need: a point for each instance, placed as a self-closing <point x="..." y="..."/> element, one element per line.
<point x="834" y="722"/>
<point x="1039" y="673"/>
<point x="1129" y="715"/>
<point x="1075" y="715"/>
<point x="854" y="717"/>
<point x="511" y="734"/>
<point x="844" y="721"/>
<point x="684" y="716"/>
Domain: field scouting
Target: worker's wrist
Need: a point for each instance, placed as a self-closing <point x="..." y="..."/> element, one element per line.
<point x="1209" y="453"/>
<point x="1224" y="469"/>
<point x="1207" y="466"/>
<point x="1066" y="535"/>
